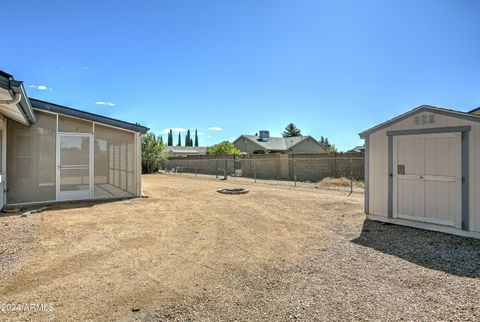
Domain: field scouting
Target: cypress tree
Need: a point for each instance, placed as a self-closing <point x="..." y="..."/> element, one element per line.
<point x="187" y="139"/>
<point x="196" y="138"/>
<point x="170" y="138"/>
<point x="161" y="140"/>
<point x="179" y="139"/>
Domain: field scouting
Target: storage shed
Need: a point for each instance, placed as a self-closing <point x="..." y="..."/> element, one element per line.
<point x="421" y="170"/>
<point x="50" y="152"/>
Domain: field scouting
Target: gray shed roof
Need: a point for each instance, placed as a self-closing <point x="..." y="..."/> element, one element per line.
<point x="51" y="107"/>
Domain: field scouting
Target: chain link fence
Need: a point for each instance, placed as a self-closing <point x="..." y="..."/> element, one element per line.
<point x="280" y="167"/>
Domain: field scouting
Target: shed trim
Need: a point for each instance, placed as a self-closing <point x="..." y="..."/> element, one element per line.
<point x="390" y="177"/>
<point x="465" y="189"/>
<point x="366" y="206"/>
<point x="422" y="108"/>
<point x="433" y="130"/>
<point x="465" y="182"/>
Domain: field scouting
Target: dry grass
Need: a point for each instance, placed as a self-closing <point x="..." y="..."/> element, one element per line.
<point x="277" y="253"/>
<point x="339" y="182"/>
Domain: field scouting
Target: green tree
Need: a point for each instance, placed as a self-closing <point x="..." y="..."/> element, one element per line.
<point x="161" y="140"/>
<point x="170" y="138"/>
<point x="179" y="139"/>
<point x="196" y="138"/>
<point x="329" y="146"/>
<point x="291" y="130"/>
<point x="187" y="139"/>
<point x="152" y="147"/>
<point x="224" y="147"/>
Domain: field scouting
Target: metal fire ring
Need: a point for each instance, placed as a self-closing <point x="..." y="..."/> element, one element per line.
<point x="234" y="191"/>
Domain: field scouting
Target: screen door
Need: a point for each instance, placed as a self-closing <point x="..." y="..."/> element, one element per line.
<point x="74" y="166"/>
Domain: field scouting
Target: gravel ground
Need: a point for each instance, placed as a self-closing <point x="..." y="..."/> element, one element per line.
<point x="278" y="253"/>
<point x="16" y="236"/>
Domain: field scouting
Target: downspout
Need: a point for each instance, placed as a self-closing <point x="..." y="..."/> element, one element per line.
<point x="14" y="101"/>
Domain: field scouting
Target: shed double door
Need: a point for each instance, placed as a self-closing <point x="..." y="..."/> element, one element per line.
<point x="427" y="176"/>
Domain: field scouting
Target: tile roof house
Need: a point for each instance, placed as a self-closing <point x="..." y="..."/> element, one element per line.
<point x="183" y="151"/>
<point x="252" y="144"/>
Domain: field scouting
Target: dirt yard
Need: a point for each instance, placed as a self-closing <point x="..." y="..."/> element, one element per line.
<point x="275" y="254"/>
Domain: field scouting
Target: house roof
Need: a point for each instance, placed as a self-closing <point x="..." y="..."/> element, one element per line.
<point x="277" y="143"/>
<point x="474" y="111"/>
<point x="185" y="149"/>
<point x="419" y="109"/>
<point x="51" y="107"/>
<point x="358" y="148"/>
<point x="15" y="87"/>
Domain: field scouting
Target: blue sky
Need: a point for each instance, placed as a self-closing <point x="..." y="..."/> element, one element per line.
<point x="334" y="68"/>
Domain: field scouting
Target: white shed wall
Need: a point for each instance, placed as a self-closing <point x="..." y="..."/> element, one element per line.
<point x="378" y="163"/>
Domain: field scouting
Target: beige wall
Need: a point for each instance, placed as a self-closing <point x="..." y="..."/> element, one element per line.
<point x="378" y="163"/>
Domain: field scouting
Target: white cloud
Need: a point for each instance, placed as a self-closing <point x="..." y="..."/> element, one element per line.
<point x="105" y="103"/>
<point x="214" y="128"/>
<point x="40" y="87"/>
<point x="174" y="129"/>
<point x="200" y="133"/>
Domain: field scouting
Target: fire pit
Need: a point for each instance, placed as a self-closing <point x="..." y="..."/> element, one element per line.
<point x="234" y="191"/>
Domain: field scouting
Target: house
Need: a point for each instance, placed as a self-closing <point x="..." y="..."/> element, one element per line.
<point x="183" y="151"/>
<point x="475" y="111"/>
<point x="263" y="144"/>
<point x="358" y="149"/>
<point x="421" y="170"/>
<point x="54" y="153"/>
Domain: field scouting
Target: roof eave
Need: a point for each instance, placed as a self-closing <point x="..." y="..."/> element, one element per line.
<point x="24" y="105"/>
<point x="417" y="110"/>
<point x="64" y="110"/>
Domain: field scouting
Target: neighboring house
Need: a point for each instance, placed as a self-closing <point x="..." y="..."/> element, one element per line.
<point x="421" y="170"/>
<point x="183" y="151"/>
<point x="475" y="111"/>
<point x="50" y="152"/>
<point x="251" y="144"/>
<point x="358" y="149"/>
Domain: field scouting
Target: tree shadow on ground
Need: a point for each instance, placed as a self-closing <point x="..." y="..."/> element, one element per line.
<point x="447" y="253"/>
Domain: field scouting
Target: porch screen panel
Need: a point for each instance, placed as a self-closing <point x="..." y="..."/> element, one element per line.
<point x="114" y="157"/>
<point x="31" y="160"/>
<point x="73" y="125"/>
